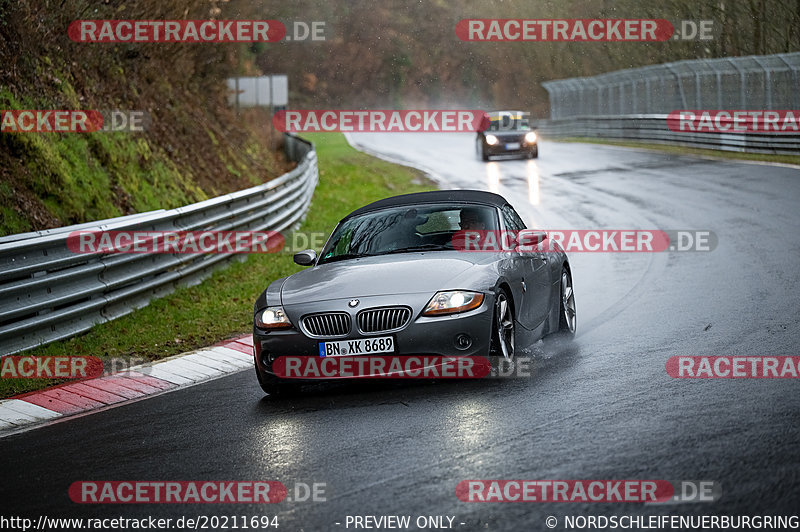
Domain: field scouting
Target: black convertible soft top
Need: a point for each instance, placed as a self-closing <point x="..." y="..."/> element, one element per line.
<point x="437" y="196"/>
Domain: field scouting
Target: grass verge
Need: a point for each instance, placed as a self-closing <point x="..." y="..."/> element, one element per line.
<point x="683" y="150"/>
<point x="221" y="306"/>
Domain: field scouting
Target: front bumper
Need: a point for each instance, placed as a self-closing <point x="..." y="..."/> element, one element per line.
<point x="423" y="336"/>
<point x="500" y="149"/>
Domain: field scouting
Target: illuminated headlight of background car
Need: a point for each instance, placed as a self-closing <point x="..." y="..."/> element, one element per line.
<point x="272" y="318"/>
<point x="530" y="137"/>
<point x="452" y="302"/>
<point x="491" y="140"/>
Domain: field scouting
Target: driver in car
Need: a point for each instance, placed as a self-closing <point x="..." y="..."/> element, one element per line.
<point x="471" y="220"/>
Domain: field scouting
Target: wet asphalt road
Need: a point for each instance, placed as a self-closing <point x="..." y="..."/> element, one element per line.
<point x="601" y="407"/>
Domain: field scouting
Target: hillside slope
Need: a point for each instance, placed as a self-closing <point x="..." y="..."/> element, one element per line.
<point x="196" y="146"/>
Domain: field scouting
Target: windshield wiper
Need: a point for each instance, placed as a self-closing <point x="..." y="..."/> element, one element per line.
<point x="423" y="247"/>
<point x="344" y="256"/>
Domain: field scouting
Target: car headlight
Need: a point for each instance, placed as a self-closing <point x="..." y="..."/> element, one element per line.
<point x="491" y="140"/>
<point x="452" y="302"/>
<point x="272" y="318"/>
<point x="530" y="138"/>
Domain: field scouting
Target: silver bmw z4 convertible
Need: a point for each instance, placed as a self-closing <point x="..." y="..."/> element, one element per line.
<point x="395" y="278"/>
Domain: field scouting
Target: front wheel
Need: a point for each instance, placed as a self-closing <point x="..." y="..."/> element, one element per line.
<point x="274" y="386"/>
<point x="503" y="328"/>
<point x="567" y="315"/>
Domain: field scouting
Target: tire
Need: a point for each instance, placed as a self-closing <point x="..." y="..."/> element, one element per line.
<point x="567" y="311"/>
<point x="274" y="386"/>
<point x="534" y="153"/>
<point x="503" y="333"/>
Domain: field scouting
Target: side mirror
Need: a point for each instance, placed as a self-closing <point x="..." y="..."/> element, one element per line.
<point x="484" y="124"/>
<point x="307" y="257"/>
<point x="529" y="238"/>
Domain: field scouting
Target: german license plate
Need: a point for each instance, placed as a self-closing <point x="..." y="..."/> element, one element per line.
<point x="512" y="146"/>
<point x="360" y="346"/>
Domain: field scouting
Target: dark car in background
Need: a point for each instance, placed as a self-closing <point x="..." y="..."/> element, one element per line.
<point x="391" y="275"/>
<point x="509" y="133"/>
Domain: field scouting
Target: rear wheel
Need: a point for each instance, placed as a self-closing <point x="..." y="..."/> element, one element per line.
<point x="503" y="328"/>
<point x="567" y="315"/>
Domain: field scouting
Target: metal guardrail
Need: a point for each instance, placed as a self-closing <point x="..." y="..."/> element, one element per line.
<point x="652" y="128"/>
<point x="49" y="293"/>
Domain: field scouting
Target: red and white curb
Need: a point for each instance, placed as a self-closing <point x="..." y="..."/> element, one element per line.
<point x="35" y="408"/>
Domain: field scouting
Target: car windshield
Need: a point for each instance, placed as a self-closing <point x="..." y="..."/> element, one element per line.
<point x="406" y="229"/>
